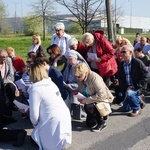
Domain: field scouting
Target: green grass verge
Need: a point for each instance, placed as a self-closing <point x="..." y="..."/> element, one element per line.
<point x="21" y="43"/>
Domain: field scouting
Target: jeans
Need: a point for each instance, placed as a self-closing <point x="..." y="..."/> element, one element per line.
<point x="131" y="101"/>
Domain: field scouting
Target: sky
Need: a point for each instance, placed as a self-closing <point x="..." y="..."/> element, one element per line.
<point x="138" y="8"/>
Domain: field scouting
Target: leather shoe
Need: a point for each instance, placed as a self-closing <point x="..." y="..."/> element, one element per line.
<point x="142" y="105"/>
<point x="135" y="113"/>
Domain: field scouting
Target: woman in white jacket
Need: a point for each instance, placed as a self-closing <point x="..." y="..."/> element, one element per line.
<point x="48" y="113"/>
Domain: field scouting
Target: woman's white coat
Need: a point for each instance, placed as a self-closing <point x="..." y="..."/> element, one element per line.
<point x="50" y="116"/>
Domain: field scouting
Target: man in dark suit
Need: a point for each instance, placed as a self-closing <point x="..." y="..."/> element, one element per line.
<point x="132" y="76"/>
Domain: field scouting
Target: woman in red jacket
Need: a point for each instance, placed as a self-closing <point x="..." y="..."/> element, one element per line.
<point x="100" y="54"/>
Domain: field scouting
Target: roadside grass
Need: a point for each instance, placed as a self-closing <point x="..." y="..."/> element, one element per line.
<point x="21" y="43"/>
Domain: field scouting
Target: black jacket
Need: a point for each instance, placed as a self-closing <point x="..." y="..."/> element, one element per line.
<point x="139" y="75"/>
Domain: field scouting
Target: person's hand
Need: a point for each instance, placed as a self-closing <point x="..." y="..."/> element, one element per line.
<point x="75" y="93"/>
<point x="82" y="101"/>
<point x="116" y="83"/>
<point x="58" y="58"/>
<point x="89" y="59"/>
<point x="22" y="111"/>
<point x="97" y="59"/>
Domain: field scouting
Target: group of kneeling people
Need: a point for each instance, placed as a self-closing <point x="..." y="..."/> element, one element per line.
<point x="50" y="115"/>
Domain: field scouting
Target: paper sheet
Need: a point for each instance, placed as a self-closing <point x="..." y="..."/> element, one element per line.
<point x="21" y="85"/>
<point x="21" y="105"/>
<point x="92" y="55"/>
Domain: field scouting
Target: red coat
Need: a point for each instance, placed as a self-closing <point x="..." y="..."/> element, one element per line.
<point x="18" y="64"/>
<point x="82" y="49"/>
<point x="108" y="66"/>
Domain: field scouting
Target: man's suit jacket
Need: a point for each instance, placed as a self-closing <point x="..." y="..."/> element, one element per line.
<point x="139" y="75"/>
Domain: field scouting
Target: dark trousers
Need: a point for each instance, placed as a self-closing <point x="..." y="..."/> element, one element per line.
<point x="93" y="116"/>
<point x="10" y="91"/>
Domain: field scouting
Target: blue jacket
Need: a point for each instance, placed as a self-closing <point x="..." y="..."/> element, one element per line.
<point x="57" y="78"/>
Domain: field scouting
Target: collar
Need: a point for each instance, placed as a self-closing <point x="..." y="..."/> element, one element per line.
<point x="127" y="64"/>
<point x="86" y="77"/>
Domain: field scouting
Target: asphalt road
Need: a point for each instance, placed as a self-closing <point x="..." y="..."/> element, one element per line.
<point x="122" y="132"/>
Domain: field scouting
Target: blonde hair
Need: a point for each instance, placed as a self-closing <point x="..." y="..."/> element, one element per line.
<point x="87" y="38"/>
<point x="10" y="50"/>
<point x="119" y="38"/>
<point x="80" y="69"/>
<point x="38" y="38"/>
<point x="37" y="72"/>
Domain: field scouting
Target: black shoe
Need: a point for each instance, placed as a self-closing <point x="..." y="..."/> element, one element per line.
<point x="105" y="117"/>
<point x="20" y="138"/>
<point x="99" y="127"/>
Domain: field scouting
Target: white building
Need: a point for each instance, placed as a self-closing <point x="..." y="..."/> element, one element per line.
<point x="134" y="22"/>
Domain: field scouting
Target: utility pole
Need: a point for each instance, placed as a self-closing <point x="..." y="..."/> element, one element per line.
<point x="109" y="21"/>
<point x="130" y="13"/>
<point x="15" y="24"/>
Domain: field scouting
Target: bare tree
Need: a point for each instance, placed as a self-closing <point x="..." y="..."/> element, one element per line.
<point x="43" y="8"/>
<point x="83" y="10"/>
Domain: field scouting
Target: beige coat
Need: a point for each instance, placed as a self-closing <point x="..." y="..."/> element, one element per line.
<point x="97" y="90"/>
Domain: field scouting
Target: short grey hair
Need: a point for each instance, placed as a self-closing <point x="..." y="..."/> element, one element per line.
<point x="72" y="41"/>
<point x="59" y="26"/>
<point x="128" y="47"/>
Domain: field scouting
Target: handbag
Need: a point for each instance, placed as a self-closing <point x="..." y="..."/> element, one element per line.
<point x="103" y="108"/>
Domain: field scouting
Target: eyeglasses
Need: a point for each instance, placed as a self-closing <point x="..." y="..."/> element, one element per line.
<point x="123" y="52"/>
